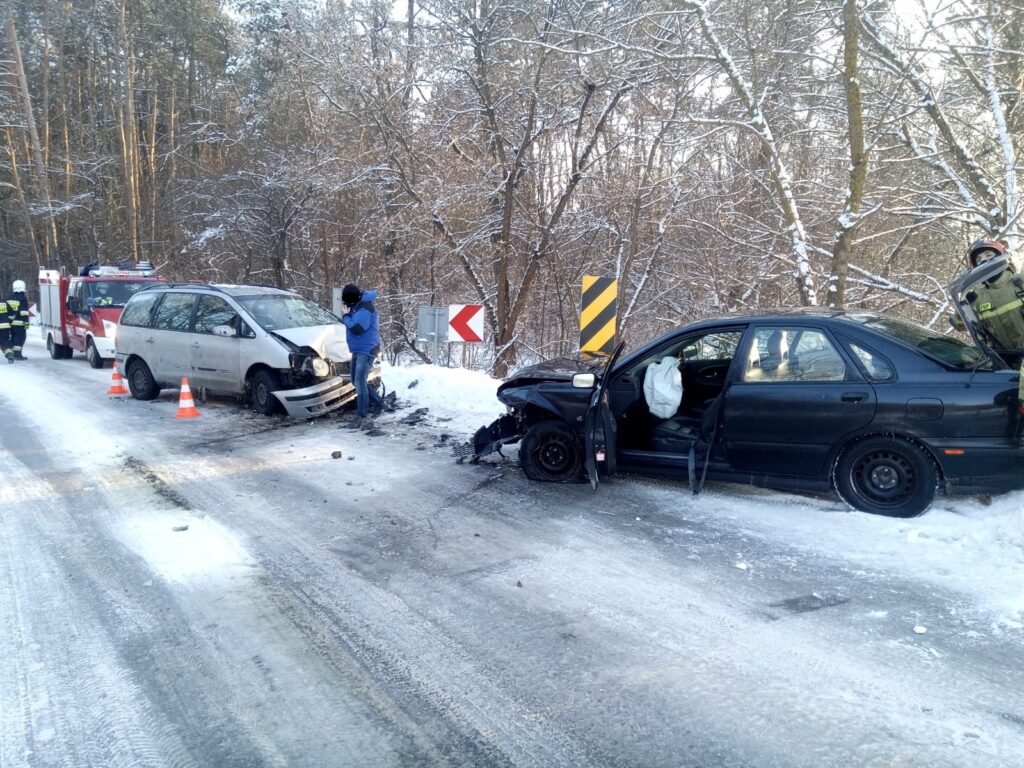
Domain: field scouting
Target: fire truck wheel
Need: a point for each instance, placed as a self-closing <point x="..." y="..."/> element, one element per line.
<point x="93" y="355"/>
<point x="264" y="384"/>
<point x="140" y="381"/>
<point x="57" y="351"/>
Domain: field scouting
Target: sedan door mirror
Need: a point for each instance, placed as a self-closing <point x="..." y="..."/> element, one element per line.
<point x="584" y="381"/>
<point x="223" y="330"/>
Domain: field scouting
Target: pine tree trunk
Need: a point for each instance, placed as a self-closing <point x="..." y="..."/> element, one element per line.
<point x="42" y="188"/>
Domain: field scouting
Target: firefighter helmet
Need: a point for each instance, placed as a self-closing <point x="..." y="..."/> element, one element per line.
<point x="983" y="250"/>
<point x="19" y="286"/>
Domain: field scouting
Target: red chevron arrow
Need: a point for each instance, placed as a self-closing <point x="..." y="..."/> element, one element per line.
<point x="460" y="323"/>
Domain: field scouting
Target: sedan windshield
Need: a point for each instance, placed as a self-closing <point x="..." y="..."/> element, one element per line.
<point x="945" y="349"/>
<point x="278" y="311"/>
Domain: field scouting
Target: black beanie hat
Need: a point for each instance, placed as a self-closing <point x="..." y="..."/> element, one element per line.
<point x="350" y="294"/>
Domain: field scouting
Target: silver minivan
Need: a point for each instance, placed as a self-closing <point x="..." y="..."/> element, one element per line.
<point x="271" y="346"/>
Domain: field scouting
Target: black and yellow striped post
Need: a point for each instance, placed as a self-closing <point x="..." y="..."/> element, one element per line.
<point x="597" y="316"/>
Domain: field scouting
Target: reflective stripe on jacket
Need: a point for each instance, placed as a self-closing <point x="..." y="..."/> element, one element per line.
<point x="1000" y="306"/>
<point x="17" y="306"/>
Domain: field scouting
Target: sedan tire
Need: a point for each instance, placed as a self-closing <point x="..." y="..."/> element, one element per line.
<point x="886" y="476"/>
<point x="140" y="381"/>
<point x="551" y="452"/>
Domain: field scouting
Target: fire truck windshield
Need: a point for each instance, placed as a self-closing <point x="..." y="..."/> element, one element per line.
<point x="112" y="293"/>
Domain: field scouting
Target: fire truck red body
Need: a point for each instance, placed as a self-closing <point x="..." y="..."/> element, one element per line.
<point x="79" y="313"/>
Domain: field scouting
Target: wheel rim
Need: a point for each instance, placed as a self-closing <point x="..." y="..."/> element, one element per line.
<point x="139" y="379"/>
<point x="91" y="353"/>
<point x="556" y="454"/>
<point x="262" y="393"/>
<point x="886" y="478"/>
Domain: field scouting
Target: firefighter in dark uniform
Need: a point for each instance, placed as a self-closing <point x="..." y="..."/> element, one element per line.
<point x="999" y="301"/>
<point x="5" y="332"/>
<point x="17" y="309"/>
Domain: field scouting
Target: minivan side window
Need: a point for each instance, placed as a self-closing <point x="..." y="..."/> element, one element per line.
<point x="175" y="312"/>
<point x="213" y="311"/>
<point x="139" y="311"/>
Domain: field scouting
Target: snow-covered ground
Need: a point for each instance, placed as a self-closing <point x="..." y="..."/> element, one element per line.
<point x="970" y="545"/>
<point x="224" y="590"/>
<point x="965" y="544"/>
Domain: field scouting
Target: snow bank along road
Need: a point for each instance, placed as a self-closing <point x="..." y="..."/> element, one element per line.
<point x="223" y="592"/>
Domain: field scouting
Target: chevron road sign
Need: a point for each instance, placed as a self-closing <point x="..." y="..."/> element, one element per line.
<point x="597" y="315"/>
<point x="466" y="322"/>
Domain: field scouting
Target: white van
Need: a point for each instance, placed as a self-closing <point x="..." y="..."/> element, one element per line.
<point x="271" y="346"/>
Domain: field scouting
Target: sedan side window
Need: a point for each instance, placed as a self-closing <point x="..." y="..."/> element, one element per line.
<point x="713" y="346"/>
<point x="175" y="312"/>
<point x="793" y="354"/>
<point x="213" y="311"/>
<point x="876" y="367"/>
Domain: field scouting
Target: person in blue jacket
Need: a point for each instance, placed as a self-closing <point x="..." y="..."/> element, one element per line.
<point x="362" y="330"/>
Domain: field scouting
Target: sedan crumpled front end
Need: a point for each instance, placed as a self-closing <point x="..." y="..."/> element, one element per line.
<point x="533" y="394"/>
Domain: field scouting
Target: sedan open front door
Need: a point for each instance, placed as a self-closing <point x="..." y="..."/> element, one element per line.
<point x="599" y="425"/>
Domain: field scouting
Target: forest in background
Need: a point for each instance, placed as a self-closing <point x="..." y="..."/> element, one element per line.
<point x="714" y="156"/>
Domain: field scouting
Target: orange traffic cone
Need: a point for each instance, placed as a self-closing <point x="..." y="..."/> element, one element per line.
<point x="186" y="407"/>
<point x="117" y="388"/>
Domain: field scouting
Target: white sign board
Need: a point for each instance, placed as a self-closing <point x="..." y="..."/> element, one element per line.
<point x="465" y="322"/>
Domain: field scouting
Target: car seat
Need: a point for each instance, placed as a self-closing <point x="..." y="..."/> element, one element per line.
<point x="775" y="363"/>
<point x="753" y="371"/>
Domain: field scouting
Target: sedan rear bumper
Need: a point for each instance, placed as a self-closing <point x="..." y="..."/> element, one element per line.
<point x="982" y="469"/>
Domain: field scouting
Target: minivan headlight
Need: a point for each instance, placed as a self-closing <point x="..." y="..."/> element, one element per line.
<point x="110" y="329"/>
<point x="320" y="368"/>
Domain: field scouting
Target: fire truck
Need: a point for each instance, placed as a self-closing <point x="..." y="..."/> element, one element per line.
<point x="80" y="312"/>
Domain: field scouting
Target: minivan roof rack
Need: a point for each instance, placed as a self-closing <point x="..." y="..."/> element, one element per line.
<point x="183" y="285"/>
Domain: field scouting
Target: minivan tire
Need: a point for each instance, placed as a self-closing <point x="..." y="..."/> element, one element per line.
<point x="140" y="381"/>
<point x="264" y="384"/>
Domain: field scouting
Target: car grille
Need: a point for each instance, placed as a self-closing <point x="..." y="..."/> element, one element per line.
<point x="341" y="369"/>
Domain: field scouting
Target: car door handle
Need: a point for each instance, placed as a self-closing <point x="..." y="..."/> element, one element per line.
<point x="150" y="339"/>
<point x="195" y="345"/>
<point x="854" y="397"/>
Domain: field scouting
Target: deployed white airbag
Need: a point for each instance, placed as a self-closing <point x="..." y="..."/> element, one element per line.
<point x="663" y="387"/>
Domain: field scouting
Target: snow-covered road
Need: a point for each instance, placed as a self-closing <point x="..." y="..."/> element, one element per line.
<point x="221" y="591"/>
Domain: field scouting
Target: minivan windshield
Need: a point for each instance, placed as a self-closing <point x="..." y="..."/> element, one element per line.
<point x="945" y="349"/>
<point x="279" y="311"/>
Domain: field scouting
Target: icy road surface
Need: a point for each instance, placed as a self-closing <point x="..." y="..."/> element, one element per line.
<point x="222" y="592"/>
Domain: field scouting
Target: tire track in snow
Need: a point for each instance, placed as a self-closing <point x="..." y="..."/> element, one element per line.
<point x="124" y="680"/>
